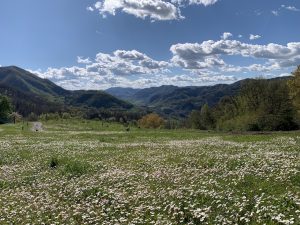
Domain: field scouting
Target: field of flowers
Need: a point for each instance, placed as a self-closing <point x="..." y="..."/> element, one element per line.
<point x="92" y="173"/>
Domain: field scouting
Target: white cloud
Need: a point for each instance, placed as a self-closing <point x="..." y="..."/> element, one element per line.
<point x="291" y="8"/>
<point x="83" y="61"/>
<point x="130" y="55"/>
<point x="154" y="9"/>
<point x="90" y="8"/>
<point x="226" y="35"/>
<point x="106" y="70"/>
<point x="203" y="2"/>
<point x="202" y="63"/>
<point x="209" y="55"/>
<point x="275" y="12"/>
<point x="254" y="37"/>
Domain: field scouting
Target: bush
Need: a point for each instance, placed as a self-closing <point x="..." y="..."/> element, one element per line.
<point x="151" y="121"/>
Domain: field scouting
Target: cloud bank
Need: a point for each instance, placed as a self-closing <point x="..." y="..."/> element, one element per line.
<point x="191" y="64"/>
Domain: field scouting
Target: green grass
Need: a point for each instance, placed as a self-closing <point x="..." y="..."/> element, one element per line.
<point x="89" y="172"/>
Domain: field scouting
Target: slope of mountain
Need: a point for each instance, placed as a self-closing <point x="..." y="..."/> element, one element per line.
<point x="29" y="93"/>
<point x="26" y="82"/>
<point x="179" y="101"/>
<point x="122" y="93"/>
<point x="96" y="99"/>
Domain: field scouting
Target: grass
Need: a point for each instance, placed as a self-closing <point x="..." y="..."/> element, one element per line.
<point x="86" y="172"/>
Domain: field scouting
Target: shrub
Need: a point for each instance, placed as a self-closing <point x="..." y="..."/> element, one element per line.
<point x="151" y="121"/>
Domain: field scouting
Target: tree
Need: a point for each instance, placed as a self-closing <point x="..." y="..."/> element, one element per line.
<point x="294" y="89"/>
<point x="151" y="121"/>
<point x="5" y="109"/>
<point x="195" y="119"/>
<point x="202" y="119"/>
<point x="261" y="105"/>
<point x="15" y="116"/>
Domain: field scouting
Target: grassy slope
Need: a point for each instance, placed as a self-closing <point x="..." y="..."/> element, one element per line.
<point x="101" y="173"/>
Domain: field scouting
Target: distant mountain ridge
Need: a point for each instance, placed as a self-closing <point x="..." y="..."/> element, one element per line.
<point x="30" y="93"/>
<point x="178" y="102"/>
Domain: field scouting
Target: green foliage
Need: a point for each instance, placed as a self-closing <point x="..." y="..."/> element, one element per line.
<point x="5" y="109"/>
<point x="294" y="87"/>
<point x="75" y="168"/>
<point x="68" y="167"/>
<point x="202" y="119"/>
<point x="261" y="105"/>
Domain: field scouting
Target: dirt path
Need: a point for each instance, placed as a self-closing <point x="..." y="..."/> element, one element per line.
<point x="37" y="126"/>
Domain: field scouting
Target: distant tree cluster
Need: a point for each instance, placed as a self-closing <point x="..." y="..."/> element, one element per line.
<point x="5" y="109"/>
<point x="261" y="105"/>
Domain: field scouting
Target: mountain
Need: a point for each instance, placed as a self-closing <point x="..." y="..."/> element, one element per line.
<point x="173" y="101"/>
<point x="26" y="82"/>
<point x="178" y="102"/>
<point x="96" y="99"/>
<point x="123" y="93"/>
<point x="30" y="93"/>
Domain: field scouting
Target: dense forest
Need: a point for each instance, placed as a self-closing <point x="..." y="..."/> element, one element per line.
<point x="260" y="105"/>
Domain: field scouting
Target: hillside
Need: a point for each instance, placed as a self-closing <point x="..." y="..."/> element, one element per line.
<point x="178" y="101"/>
<point x="173" y="101"/>
<point x="30" y="93"/>
<point x="26" y="82"/>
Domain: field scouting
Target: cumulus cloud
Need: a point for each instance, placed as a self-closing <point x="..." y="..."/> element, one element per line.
<point x="254" y="37"/>
<point x="153" y="9"/>
<point x="130" y="55"/>
<point x="209" y="54"/>
<point x="105" y="70"/>
<point x="200" y="63"/>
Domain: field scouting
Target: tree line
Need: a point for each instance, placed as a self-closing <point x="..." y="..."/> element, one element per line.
<point x="261" y="105"/>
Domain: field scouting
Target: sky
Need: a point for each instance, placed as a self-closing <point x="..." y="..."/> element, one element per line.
<point x="98" y="44"/>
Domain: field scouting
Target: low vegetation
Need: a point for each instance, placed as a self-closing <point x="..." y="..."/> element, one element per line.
<point x="95" y="172"/>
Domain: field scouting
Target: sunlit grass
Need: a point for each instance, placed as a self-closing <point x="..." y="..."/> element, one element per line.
<point x="86" y="172"/>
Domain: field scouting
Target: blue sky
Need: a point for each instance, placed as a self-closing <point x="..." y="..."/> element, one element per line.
<point x="90" y="44"/>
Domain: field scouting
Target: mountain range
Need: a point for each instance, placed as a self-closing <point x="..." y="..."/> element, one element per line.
<point x="173" y="101"/>
<point x="30" y="93"/>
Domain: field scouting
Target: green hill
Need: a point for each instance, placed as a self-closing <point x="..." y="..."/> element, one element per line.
<point x="30" y="93"/>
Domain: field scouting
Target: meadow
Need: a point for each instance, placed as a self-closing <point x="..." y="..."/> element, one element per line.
<point x="89" y="172"/>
